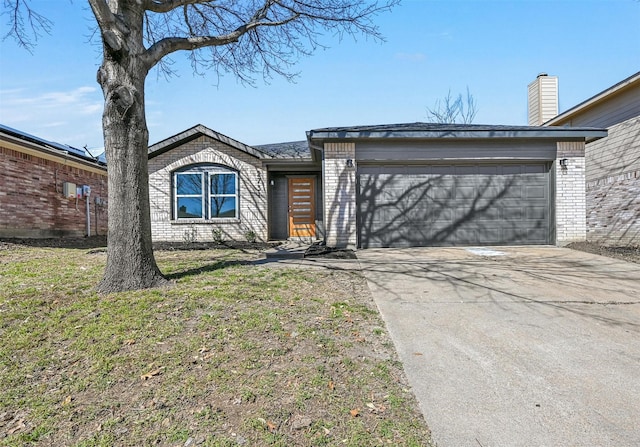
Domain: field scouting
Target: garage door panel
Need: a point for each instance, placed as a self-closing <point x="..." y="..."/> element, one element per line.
<point x="466" y="236"/>
<point x="538" y="234"/>
<point x="512" y="169"/>
<point x="536" y="213"/>
<point x="513" y="213"/>
<point x="536" y="169"/>
<point x="493" y="192"/>
<point x="491" y="213"/>
<point x="441" y="215"/>
<point x="464" y="170"/>
<point x="483" y="202"/>
<point x="513" y="192"/>
<point x="465" y="192"/>
<point x="490" y="236"/>
<point x="536" y="192"/>
<point x="487" y="170"/>
<point x="453" y="205"/>
<point x="439" y="193"/>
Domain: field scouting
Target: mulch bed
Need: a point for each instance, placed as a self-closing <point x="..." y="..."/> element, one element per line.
<point x="629" y="254"/>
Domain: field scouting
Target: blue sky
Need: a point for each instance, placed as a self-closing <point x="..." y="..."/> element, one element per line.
<point x="495" y="48"/>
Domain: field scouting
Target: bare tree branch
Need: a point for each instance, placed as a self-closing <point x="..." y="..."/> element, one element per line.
<point x="255" y="36"/>
<point x="169" y="5"/>
<point x="452" y="110"/>
<point x="241" y="37"/>
<point x="172" y="44"/>
<point x="26" y="25"/>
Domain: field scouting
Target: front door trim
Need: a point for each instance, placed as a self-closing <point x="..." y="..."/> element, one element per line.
<point x="302" y="209"/>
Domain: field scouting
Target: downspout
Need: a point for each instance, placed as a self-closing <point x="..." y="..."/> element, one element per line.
<point x="88" y="216"/>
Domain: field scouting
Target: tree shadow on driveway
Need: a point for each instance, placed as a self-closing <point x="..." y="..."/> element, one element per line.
<point x="559" y="279"/>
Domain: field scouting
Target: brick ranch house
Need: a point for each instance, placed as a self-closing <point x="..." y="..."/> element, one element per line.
<point x="38" y="189"/>
<point x="402" y="185"/>
<point x="612" y="163"/>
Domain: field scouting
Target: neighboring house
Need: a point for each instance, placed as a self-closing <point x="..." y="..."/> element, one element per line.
<point x="376" y="186"/>
<point x="39" y="195"/>
<point x="613" y="163"/>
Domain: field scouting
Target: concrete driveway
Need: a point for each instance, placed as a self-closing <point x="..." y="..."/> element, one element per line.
<point x="515" y="346"/>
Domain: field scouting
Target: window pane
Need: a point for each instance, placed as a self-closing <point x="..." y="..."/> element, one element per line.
<point x="189" y="207"/>
<point x="223" y="207"/>
<point x="189" y="184"/>
<point x="223" y="183"/>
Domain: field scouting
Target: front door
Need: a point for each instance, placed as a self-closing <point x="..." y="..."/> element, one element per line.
<point x="302" y="209"/>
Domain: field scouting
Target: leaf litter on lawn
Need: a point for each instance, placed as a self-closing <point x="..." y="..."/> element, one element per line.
<point x="233" y="353"/>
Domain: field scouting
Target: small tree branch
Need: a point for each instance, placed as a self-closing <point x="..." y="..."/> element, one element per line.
<point x="170" y="45"/>
<point x="26" y="25"/>
<point x="452" y="111"/>
<point x="161" y="6"/>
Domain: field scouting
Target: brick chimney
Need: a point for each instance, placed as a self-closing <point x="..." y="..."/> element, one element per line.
<point x="543" y="99"/>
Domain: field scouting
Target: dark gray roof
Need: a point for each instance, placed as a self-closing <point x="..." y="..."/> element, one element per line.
<point x="196" y="132"/>
<point x="436" y="130"/>
<point x="52" y="146"/>
<point x="289" y="150"/>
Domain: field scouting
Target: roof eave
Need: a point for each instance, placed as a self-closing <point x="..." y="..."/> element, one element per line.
<point x="595" y="100"/>
<point x="292" y="161"/>
<point x="548" y="133"/>
<point x="52" y="152"/>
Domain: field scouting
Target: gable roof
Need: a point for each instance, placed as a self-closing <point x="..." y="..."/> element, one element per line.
<point x="196" y="132"/>
<point x="51" y="148"/>
<point x="459" y="131"/>
<point x="620" y="87"/>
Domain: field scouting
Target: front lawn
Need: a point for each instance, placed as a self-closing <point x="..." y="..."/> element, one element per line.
<point x="236" y="352"/>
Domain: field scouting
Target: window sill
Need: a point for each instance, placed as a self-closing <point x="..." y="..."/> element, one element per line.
<point x="204" y="221"/>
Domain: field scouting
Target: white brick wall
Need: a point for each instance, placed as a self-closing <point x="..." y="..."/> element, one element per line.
<point x="252" y="189"/>
<point x="339" y="183"/>
<point x="570" y="200"/>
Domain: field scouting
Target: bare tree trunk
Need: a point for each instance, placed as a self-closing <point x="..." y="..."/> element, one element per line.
<point x="130" y="261"/>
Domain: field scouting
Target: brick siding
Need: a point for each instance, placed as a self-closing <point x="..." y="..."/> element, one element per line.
<point x="31" y="200"/>
<point x="339" y="183"/>
<point x="613" y="186"/>
<point x="613" y="213"/>
<point x="570" y="201"/>
<point x="252" y="189"/>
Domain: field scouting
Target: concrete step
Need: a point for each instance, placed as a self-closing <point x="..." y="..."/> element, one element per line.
<point x="288" y="250"/>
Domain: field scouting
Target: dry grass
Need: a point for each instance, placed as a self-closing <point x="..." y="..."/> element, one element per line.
<point x="234" y="353"/>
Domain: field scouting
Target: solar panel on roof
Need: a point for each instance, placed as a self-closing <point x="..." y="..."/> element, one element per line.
<point x="52" y="144"/>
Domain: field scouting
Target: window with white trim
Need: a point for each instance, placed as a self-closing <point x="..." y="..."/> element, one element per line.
<point x="205" y="192"/>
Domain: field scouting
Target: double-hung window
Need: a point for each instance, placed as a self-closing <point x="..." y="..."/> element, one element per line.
<point x="205" y="192"/>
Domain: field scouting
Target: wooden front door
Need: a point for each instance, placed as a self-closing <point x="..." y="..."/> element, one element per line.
<point x="302" y="207"/>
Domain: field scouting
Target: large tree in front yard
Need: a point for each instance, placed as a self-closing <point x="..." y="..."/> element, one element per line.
<point x="242" y="37"/>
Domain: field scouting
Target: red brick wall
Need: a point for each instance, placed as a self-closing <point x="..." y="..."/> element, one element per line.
<point x="32" y="203"/>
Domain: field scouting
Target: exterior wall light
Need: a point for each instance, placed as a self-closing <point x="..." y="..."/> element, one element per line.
<point x="349" y="163"/>
<point x="564" y="162"/>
